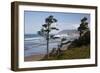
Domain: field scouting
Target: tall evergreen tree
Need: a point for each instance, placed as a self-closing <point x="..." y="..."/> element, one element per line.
<point x="46" y="29"/>
<point x="83" y="26"/>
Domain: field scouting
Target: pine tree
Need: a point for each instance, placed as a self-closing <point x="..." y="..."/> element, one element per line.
<point x="46" y="29"/>
<point x="83" y="26"/>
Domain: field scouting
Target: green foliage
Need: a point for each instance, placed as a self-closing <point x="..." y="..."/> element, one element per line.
<point x="84" y="38"/>
<point x="74" y="53"/>
<point x="46" y="29"/>
<point x="78" y="49"/>
<point x="83" y="26"/>
<point x="50" y="20"/>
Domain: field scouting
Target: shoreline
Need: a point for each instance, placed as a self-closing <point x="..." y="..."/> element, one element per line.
<point x="34" y="57"/>
<point x="82" y="52"/>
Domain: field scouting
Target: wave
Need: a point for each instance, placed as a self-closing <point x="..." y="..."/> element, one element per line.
<point x="33" y="38"/>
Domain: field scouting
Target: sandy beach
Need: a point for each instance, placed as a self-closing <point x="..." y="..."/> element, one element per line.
<point x="40" y="56"/>
<point x="34" y="57"/>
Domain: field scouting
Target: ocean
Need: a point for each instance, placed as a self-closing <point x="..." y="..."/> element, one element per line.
<point x="35" y="44"/>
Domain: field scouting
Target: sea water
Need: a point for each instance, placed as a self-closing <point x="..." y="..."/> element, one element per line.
<point x="37" y="45"/>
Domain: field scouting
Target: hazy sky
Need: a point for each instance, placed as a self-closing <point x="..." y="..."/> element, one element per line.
<point x="34" y="20"/>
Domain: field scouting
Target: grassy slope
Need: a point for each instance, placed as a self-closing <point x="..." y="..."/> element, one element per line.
<point x="74" y="53"/>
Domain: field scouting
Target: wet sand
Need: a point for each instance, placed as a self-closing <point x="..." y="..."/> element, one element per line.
<point x="34" y="57"/>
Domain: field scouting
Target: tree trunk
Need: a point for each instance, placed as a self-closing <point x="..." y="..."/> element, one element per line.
<point x="47" y="45"/>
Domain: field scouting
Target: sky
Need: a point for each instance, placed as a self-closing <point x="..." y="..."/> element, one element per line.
<point x="33" y="20"/>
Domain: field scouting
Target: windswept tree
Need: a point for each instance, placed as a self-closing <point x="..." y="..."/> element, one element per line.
<point x="83" y="26"/>
<point x="46" y="29"/>
<point x="84" y="38"/>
